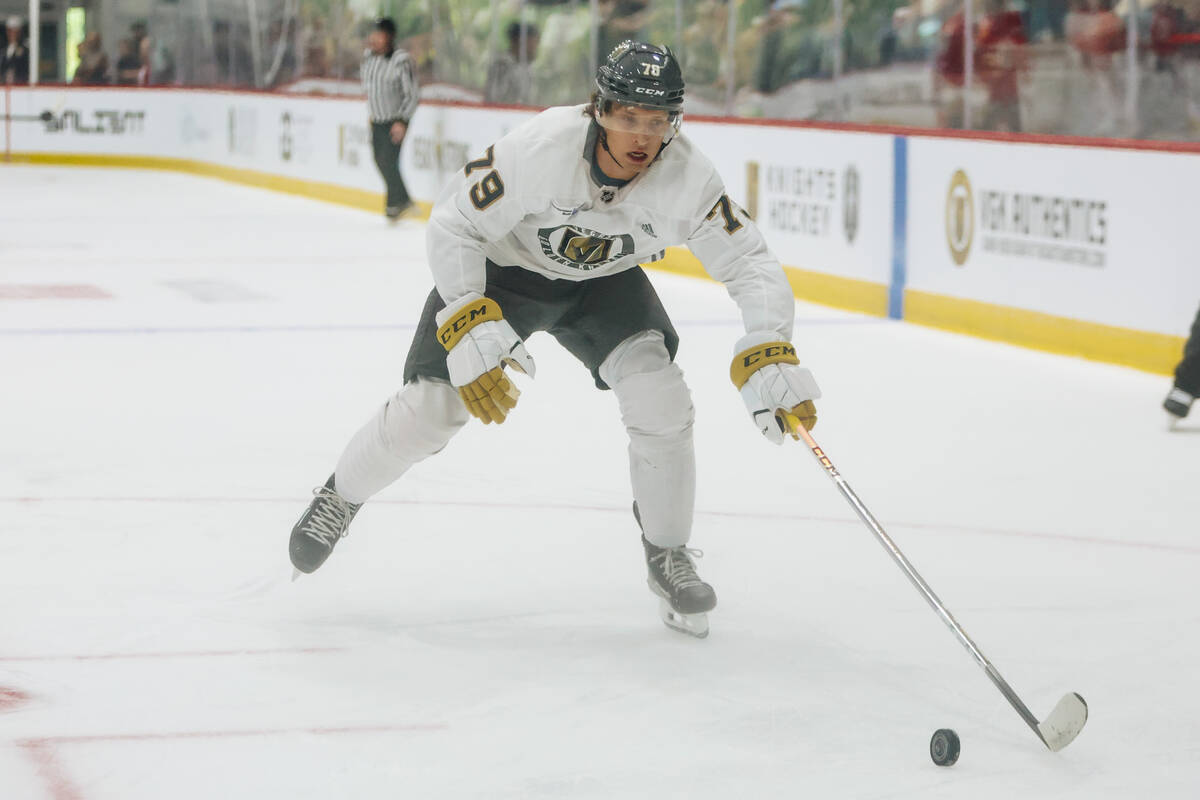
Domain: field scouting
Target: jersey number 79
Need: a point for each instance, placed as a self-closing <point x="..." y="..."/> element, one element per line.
<point x="488" y="189"/>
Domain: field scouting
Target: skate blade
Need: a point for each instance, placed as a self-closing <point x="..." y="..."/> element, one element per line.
<point x="692" y="624"/>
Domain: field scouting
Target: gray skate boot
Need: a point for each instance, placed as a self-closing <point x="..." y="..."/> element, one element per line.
<point x="684" y="599"/>
<point x="327" y="519"/>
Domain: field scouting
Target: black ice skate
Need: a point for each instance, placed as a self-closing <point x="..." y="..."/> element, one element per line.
<point x="1178" y="404"/>
<point x="684" y="599"/>
<point x="326" y="520"/>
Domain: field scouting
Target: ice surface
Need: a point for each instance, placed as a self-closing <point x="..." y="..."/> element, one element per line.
<point x="182" y="360"/>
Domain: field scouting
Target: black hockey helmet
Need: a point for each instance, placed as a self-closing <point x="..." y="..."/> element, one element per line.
<point x="640" y="74"/>
<point x="644" y="75"/>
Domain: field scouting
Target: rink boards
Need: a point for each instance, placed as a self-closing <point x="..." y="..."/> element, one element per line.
<point x="1073" y="247"/>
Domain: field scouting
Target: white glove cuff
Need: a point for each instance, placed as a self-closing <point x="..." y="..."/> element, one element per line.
<point x="452" y="308"/>
<point x="755" y="338"/>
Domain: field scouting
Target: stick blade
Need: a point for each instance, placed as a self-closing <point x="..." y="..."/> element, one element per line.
<point x="1063" y="724"/>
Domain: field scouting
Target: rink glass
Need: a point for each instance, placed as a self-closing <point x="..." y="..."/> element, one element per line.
<point x="1077" y="67"/>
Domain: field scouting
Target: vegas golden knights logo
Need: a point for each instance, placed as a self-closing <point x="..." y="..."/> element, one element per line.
<point x="960" y="217"/>
<point x="583" y="249"/>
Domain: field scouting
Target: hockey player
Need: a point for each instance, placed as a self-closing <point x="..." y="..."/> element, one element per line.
<point x="545" y="231"/>
<point x="1187" y="378"/>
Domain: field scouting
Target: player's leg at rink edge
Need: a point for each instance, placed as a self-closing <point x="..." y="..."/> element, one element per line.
<point x="412" y="425"/>
<point x="656" y="408"/>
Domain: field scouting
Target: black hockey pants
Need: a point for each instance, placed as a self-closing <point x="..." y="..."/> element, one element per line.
<point x="387" y="158"/>
<point x="1187" y="374"/>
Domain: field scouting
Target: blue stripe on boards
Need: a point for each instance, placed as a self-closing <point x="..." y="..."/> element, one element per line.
<point x="899" y="227"/>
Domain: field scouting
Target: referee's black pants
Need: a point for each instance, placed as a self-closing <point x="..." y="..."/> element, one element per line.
<point x="1187" y="374"/>
<point x="387" y="158"/>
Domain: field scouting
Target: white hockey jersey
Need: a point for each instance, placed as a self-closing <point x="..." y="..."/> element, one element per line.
<point x="530" y="201"/>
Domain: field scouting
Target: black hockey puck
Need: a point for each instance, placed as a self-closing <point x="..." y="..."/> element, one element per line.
<point x="944" y="747"/>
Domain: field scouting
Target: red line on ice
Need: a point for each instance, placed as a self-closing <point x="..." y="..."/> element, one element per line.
<point x="59" y="291"/>
<point x="159" y="736"/>
<point x="45" y="757"/>
<point x="173" y="654"/>
<point x="44" y="750"/>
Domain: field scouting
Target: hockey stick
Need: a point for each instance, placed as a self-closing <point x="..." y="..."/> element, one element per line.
<point x="1067" y="718"/>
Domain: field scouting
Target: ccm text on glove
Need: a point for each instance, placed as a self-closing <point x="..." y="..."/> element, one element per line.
<point x="479" y="344"/>
<point x="777" y="391"/>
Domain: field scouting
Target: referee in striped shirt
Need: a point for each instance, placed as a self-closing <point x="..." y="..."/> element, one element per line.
<point x="387" y="76"/>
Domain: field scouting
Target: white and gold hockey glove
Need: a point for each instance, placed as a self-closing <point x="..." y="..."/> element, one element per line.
<point x="479" y="344"/>
<point x="777" y="391"/>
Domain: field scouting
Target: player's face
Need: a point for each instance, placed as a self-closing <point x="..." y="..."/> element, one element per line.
<point x="635" y="135"/>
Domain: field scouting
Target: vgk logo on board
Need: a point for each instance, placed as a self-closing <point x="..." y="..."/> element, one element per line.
<point x="960" y="217"/>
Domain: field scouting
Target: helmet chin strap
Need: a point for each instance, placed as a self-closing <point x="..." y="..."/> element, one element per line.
<point x="604" y="144"/>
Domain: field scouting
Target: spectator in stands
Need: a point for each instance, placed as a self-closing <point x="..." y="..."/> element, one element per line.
<point x="1097" y="33"/>
<point x="392" y="96"/>
<point x="314" y="55"/>
<point x="1165" y="23"/>
<point x="950" y="72"/>
<point x="889" y="39"/>
<point x="128" y="63"/>
<point x="1187" y="376"/>
<point x="14" y="61"/>
<point x="1000" y="57"/>
<point x="1075" y="22"/>
<point x="776" y="62"/>
<point x="138" y="32"/>
<point x="621" y="20"/>
<point x="509" y="79"/>
<point x="704" y="41"/>
<point x="280" y="54"/>
<point x="93" y="63"/>
<point x="233" y="63"/>
<point x="158" y="65"/>
<point x="563" y="72"/>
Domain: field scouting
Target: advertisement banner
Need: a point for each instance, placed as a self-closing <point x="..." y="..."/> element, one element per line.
<point x="822" y="199"/>
<point x="1092" y="234"/>
<point x="81" y="121"/>
<point x="1073" y="249"/>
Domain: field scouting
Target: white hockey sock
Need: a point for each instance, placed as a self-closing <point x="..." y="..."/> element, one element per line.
<point x="414" y="424"/>
<point x="656" y="408"/>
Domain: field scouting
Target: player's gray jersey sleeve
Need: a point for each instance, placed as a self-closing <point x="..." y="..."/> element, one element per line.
<point x="734" y="252"/>
<point x="482" y="204"/>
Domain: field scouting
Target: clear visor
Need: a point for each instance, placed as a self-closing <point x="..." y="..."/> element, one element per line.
<point x="653" y="122"/>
